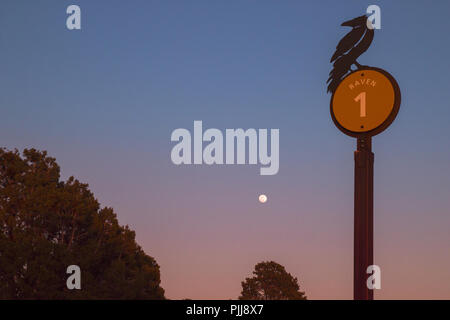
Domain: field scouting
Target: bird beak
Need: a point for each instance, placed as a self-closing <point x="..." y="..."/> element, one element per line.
<point x="348" y="23"/>
<point x="355" y="22"/>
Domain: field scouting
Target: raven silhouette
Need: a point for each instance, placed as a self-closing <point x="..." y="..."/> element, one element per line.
<point x="351" y="46"/>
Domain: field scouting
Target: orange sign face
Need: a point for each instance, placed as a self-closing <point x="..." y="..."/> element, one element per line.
<point x="365" y="102"/>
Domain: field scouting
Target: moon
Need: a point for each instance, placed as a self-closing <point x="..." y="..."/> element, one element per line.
<point x="262" y="198"/>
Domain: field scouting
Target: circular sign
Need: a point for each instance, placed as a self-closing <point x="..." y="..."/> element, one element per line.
<point x="366" y="102"/>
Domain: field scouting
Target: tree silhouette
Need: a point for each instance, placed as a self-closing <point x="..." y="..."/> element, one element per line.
<point x="271" y="282"/>
<point x="47" y="224"/>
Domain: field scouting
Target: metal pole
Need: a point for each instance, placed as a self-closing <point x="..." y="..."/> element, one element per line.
<point x="363" y="223"/>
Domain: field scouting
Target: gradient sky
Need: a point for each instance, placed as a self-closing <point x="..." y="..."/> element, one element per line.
<point x="104" y="100"/>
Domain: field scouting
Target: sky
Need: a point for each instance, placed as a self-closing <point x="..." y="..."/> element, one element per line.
<point x="105" y="99"/>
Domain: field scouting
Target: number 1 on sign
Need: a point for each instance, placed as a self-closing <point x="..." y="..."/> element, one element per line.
<point x="362" y="104"/>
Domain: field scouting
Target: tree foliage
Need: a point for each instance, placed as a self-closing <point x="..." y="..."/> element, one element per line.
<point x="47" y="224"/>
<point x="271" y="282"/>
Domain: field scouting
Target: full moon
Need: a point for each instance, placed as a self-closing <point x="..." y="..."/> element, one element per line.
<point x="263" y="198"/>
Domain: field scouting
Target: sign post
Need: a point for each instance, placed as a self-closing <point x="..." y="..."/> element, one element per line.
<point x="363" y="218"/>
<point x="364" y="104"/>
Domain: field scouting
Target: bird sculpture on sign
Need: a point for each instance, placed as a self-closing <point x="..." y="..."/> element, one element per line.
<point x="351" y="46"/>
